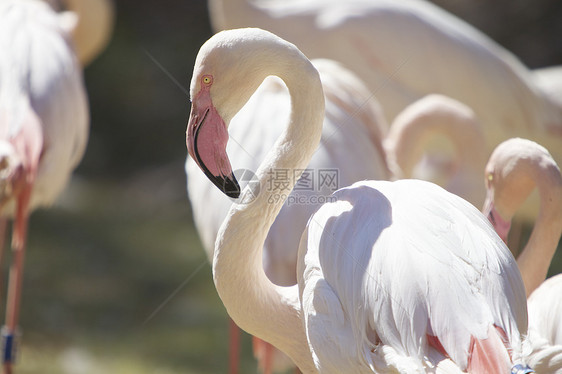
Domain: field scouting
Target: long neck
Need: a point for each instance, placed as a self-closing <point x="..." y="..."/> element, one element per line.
<point x="535" y="258"/>
<point x="230" y="14"/>
<point x="258" y="306"/>
<point x="93" y="31"/>
<point x="434" y="116"/>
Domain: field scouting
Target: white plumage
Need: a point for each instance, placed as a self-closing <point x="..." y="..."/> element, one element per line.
<point x="545" y="310"/>
<point x="39" y="74"/>
<point x="545" y="329"/>
<point x="391" y="263"/>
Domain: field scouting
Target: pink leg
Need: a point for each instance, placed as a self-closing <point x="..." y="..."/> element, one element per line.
<point x="234" y="353"/>
<point x="3" y="224"/>
<point x="16" y="276"/>
<point x="263" y="352"/>
<point x="268" y="359"/>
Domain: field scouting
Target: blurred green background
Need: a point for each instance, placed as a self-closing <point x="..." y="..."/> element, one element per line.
<point x="116" y="279"/>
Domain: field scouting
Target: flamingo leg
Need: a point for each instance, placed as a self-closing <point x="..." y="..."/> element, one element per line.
<point x="234" y="349"/>
<point x="3" y="225"/>
<point x="263" y="352"/>
<point x="268" y="358"/>
<point x="16" y="279"/>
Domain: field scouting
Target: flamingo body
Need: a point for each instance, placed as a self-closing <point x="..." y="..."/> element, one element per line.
<point x="545" y="310"/>
<point x="374" y="272"/>
<point x="43" y="102"/>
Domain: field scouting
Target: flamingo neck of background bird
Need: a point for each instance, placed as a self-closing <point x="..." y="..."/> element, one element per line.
<point x="535" y="259"/>
<point x="435" y="115"/>
<point x="261" y="308"/>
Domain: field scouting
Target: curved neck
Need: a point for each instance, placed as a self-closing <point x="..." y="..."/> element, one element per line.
<point x="230" y="14"/>
<point x="535" y="258"/>
<point x="263" y="309"/>
<point x="414" y="129"/>
<point x="94" y="27"/>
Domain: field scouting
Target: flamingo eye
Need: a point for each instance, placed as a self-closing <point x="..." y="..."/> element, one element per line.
<point x="207" y="79"/>
<point x="489" y="179"/>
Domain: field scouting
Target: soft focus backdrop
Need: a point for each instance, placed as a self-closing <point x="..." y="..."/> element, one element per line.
<point x="116" y="279"/>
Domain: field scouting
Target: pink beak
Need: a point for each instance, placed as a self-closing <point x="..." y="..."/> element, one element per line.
<point x="500" y="225"/>
<point x="206" y="139"/>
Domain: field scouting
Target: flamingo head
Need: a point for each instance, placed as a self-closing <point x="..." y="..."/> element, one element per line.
<point x="206" y="139"/>
<point x="510" y="178"/>
<point x="229" y="68"/>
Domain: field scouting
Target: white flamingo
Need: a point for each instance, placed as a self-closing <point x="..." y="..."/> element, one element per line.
<point x="43" y="122"/>
<point x="352" y="132"/>
<point x="392" y="275"/>
<point x="392" y="46"/>
<point x="516" y="167"/>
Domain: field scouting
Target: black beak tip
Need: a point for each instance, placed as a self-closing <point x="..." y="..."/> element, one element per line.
<point x="228" y="185"/>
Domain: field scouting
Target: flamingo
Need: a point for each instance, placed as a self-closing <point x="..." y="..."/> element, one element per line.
<point x="391" y="45"/>
<point x="515" y="168"/>
<point x="436" y="116"/>
<point x="353" y="129"/>
<point x="43" y="125"/>
<point x="372" y="264"/>
<point x="93" y="25"/>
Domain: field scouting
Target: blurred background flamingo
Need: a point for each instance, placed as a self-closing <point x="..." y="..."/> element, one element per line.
<point x="43" y="128"/>
<point x="393" y="47"/>
<point x="516" y="167"/>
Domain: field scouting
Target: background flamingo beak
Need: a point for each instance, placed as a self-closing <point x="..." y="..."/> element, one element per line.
<point x="500" y="225"/>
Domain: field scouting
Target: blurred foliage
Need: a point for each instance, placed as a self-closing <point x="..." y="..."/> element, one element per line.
<point x="116" y="278"/>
